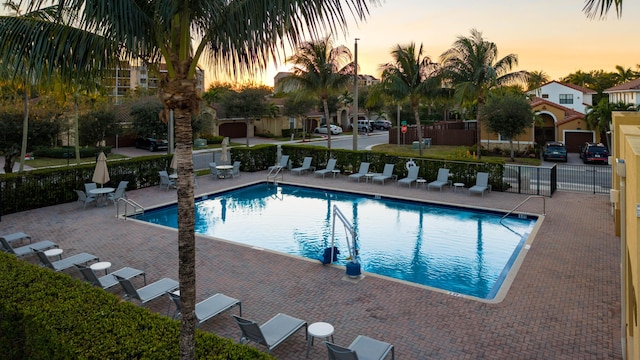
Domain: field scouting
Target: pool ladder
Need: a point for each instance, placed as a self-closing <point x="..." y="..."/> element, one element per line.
<point x="137" y="208"/>
<point x="274" y="173"/>
<point x="544" y="206"/>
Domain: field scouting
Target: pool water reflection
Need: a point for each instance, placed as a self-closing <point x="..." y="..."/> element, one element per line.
<point x="451" y="248"/>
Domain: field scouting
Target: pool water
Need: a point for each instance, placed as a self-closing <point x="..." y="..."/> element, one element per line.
<point x="455" y="249"/>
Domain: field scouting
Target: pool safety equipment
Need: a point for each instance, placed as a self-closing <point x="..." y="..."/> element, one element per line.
<point x="353" y="266"/>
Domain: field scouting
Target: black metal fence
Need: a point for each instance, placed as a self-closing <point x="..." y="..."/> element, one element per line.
<point x="544" y="180"/>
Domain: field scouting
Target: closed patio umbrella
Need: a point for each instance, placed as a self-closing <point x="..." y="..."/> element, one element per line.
<point x="101" y="173"/>
<point x="224" y="157"/>
<point x="174" y="162"/>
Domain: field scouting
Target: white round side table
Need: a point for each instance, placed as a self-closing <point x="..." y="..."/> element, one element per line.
<point x="54" y="252"/>
<point x="319" y="330"/>
<point x="457" y="186"/>
<point x="103" y="265"/>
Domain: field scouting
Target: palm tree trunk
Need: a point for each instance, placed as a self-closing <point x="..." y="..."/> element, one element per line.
<point x="25" y="127"/>
<point x="180" y="95"/>
<point x="479" y="135"/>
<point x="76" y="134"/>
<point x="325" y="103"/>
<point x="416" y="114"/>
<point x="186" y="228"/>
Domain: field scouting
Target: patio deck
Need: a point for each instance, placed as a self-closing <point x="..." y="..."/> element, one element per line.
<point x="564" y="302"/>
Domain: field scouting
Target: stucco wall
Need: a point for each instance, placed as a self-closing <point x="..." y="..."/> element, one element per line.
<point x="626" y="130"/>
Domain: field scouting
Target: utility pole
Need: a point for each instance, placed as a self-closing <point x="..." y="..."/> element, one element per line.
<point x="354" y="124"/>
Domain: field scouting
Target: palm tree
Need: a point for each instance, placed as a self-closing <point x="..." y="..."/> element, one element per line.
<point x="624" y="75"/>
<point x="536" y="80"/>
<point x="411" y="77"/>
<point x="599" y="116"/>
<point x="321" y="70"/>
<point x="600" y="8"/>
<point x="580" y="78"/>
<point x="473" y="68"/>
<point x="234" y="35"/>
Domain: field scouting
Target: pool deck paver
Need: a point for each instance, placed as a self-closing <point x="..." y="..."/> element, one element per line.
<point x="564" y="302"/>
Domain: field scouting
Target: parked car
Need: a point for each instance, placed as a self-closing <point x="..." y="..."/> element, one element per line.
<point x="152" y="144"/>
<point x="322" y="129"/>
<point x="594" y="153"/>
<point x="363" y="126"/>
<point x="382" y="124"/>
<point x="554" y="150"/>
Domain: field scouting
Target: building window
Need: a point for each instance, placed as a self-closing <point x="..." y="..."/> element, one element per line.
<point x="566" y="98"/>
<point x="545" y="96"/>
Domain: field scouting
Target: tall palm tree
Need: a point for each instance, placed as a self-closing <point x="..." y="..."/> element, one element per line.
<point x="473" y="68"/>
<point x="234" y="36"/>
<point x="321" y="70"/>
<point x="410" y="77"/>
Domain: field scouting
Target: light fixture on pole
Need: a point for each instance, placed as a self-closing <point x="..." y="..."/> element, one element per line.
<point x="354" y="124"/>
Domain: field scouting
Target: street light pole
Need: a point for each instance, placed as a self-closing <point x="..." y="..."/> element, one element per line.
<point x="354" y="124"/>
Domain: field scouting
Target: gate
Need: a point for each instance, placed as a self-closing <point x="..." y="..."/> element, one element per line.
<point x="544" y="180"/>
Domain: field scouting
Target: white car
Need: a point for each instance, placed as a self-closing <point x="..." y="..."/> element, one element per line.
<point x="322" y="129"/>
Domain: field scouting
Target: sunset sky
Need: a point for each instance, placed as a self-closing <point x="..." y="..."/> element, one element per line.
<point x="554" y="36"/>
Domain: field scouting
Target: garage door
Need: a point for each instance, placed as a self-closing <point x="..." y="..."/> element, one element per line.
<point x="573" y="140"/>
<point x="233" y="130"/>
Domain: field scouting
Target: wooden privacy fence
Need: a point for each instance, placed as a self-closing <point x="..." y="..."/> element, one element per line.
<point x="438" y="136"/>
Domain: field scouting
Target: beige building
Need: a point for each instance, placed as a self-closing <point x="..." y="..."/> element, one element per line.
<point x="625" y="195"/>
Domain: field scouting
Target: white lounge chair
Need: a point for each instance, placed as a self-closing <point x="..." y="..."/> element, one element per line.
<point x="362" y="171"/>
<point x="273" y="332"/>
<point x="65" y="263"/>
<point x="412" y="176"/>
<point x="283" y="163"/>
<point x="387" y="174"/>
<point x="331" y="165"/>
<point x="27" y="249"/>
<point x="441" y="181"/>
<point x="363" y="347"/>
<point x="482" y="184"/>
<point x="109" y="280"/>
<point x="148" y="292"/>
<point x="208" y="308"/>
<point x="19" y="236"/>
<point x="306" y="166"/>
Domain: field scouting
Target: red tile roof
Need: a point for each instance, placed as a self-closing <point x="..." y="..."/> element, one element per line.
<point x="631" y="85"/>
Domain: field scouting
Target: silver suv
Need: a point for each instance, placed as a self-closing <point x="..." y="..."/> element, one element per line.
<point x="363" y="126"/>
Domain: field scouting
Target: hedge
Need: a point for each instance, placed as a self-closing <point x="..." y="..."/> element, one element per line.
<point x="50" y="315"/>
<point x="45" y="187"/>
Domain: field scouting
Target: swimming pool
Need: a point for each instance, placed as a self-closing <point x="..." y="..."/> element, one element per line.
<point x="459" y="250"/>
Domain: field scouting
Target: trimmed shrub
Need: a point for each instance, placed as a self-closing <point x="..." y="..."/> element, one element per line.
<point x="49" y="315"/>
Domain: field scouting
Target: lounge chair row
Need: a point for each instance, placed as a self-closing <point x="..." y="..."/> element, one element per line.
<point x="270" y="334"/>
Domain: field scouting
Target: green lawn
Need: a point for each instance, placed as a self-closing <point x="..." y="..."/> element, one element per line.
<point x="447" y="152"/>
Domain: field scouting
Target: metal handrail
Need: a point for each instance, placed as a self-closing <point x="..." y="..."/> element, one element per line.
<point x="279" y="170"/>
<point x="133" y="204"/>
<point x="544" y="206"/>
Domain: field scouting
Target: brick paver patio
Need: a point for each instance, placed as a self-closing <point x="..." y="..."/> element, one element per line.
<point x="564" y="302"/>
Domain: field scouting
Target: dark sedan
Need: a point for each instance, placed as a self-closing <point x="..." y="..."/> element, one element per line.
<point x="152" y="144"/>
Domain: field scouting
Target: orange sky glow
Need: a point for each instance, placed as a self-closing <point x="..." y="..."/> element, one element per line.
<point x="553" y="36"/>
